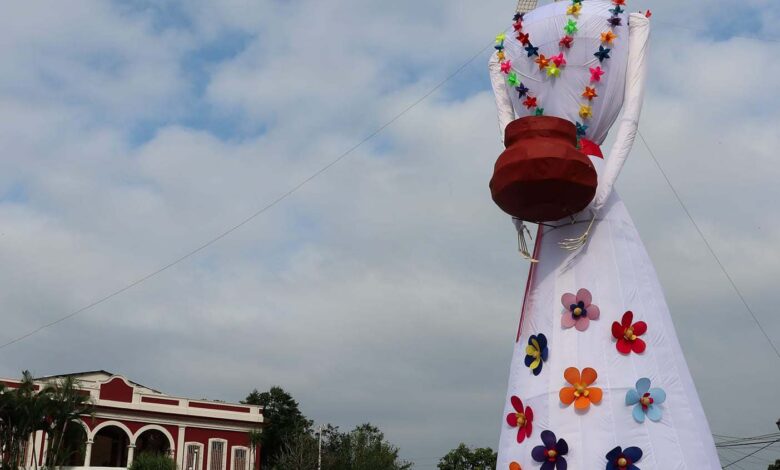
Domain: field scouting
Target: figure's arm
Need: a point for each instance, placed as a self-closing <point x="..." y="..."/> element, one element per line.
<point x="506" y="112"/>
<point x="639" y="33"/>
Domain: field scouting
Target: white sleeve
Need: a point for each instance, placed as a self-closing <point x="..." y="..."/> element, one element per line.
<point x="639" y="33"/>
<point x="506" y="112"/>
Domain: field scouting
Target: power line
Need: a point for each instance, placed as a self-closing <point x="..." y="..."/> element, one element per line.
<point x="750" y="454"/>
<point x="256" y="214"/>
<point x="709" y="247"/>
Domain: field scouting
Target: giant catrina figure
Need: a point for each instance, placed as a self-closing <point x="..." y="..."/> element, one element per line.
<point x="598" y="378"/>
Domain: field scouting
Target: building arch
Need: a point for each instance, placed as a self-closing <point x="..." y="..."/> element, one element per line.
<point x="112" y="444"/>
<point x="154" y="427"/>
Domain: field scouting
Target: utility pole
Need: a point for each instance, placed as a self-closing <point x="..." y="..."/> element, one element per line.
<point x="319" y="451"/>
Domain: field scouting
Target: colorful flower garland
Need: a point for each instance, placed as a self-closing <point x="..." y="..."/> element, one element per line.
<point x="553" y="66"/>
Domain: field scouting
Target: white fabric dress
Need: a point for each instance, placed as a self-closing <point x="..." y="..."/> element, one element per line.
<point x="613" y="266"/>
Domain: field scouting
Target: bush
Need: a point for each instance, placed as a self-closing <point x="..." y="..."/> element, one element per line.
<point x="147" y="461"/>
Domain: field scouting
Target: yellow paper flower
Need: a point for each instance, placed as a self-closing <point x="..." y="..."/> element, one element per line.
<point x="586" y="111"/>
<point x="574" y="9"/>
<point x="553" y="71"/>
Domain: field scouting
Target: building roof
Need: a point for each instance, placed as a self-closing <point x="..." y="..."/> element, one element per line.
<point x="92" y="375"/>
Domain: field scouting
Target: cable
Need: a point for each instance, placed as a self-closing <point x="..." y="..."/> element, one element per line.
<point x="265" y="208"/>
<point x="750" y="454"/>
<point x="709" y="247"/>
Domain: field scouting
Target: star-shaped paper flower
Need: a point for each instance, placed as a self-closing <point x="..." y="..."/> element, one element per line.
<point x="506" y="67"/>
<point x="580" y="393"/>
<point x="590" y="93"/>
<point x="501" y="56"/>
<point x="517" y="25"/>
<point x="596" y="73"/>
<point x="536" y="352"/>
<point x="619" y="2"/>
<point x="566" y="41"/>
<point x="615" y="21"/>
<point x="522" y="419"/>
<point x="531" y="50"/>
<point x="522" y="90"/>
<point x="515" y="466"/>
<point x="524" y="39"/>
<point x="628" y="334"/>
<point x="603" y="53"/>
<point x="499" y="46"/>
<point x="576" y="1"/>
<point x="501" y="37"/>
<point x="582" y="129"/>
<point x="542" y="61"/>
<point x="608" y="37"/>
<point x="571" y="27"/>
<point x="559" y="60"/>
<point x="645" y="401"/>
<point x="579" y="310"/>
<point x="619" y="459"/>
<point x="617" y="10"/>
<point x="551" y="453"/>
<point x="586" y="111"/>
<point x="518" y="16"/>
<point x="539" y="112"/>
<point x="574" y="9"/>
<point x="530" y="102"/>
<point x="512" y="80"/>
<point x="553" y="71"/>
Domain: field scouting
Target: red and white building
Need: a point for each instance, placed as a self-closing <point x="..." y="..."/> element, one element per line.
<point x="130" y="418"/>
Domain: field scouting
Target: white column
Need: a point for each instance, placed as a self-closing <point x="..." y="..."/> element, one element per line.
<point x="180" y="448"/>
<point x="130" y="454"/>
<point x="88" y="453"/>
<point x="45" y="445"/>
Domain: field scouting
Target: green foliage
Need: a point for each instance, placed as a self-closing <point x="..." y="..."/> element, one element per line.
<point x="363" y="448"/>
<point x="53" y="409"/>
<point x="150" y="461"/>
<point x="286" y="419"/>
<point x="774" y="466"/>
<point x="464" y="458"/>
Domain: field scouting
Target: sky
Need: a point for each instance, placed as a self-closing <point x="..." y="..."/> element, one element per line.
<point x="388" y="289"/>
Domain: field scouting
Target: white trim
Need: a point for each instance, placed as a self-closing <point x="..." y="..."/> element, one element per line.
<point x="200" y="455"/>
<point x="224" y="453"/>
<point x="156" y="427"/>
<point x="178" y="421"/>
<point x="106" y="424"/>
<point x="233" y="457"/>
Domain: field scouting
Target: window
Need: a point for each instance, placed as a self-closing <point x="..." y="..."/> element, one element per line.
<point x="240" y="459"/>
<point x="217" y="454"/>
<point x="193" y="456"/>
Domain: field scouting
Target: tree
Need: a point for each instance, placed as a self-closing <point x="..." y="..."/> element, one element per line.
<point x="150" y="461"/>
<point x="286" y="422"/>
<point x="775" y="466"/>
<point x="363" y="448"/>
<point x="464" y="458"/>
<point x="299" y="453"/>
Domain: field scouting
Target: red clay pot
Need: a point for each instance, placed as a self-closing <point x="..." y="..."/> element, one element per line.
<point x="541" y="176"/>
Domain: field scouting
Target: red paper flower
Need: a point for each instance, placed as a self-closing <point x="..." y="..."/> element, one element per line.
<point x="524" y="38"/>
<point x="627" y="335"/>
<point x="530" y="102"/>
<point x="521" y="419"/>
<point x="566" y="42"/>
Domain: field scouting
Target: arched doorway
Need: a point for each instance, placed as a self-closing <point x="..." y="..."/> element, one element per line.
<point x="152" y="441"/>
<point x="74" y="445"/>
<point x="109" y="447"/>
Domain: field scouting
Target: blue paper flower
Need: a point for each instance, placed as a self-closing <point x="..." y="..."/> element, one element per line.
<point x="617" y="10"/>
<point x="519" y="16"/>
<point x="581" y="128"/>
<point x="500" y="46"/>
<point x="531" y="50"/>
<point x="603" y="53"/>
<point x="615" y="21"/>
<point x="551" y="453"/>
<point x="536" y="351"/>
<point x="522" y="90"/>
<point x="619" y="459"/>
<point x="646" y="401"/>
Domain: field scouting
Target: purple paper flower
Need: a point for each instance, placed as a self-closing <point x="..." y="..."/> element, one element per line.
<point x="551" y="453"/>
<point x="578" y="310"/>
<point x="619" y="459"/>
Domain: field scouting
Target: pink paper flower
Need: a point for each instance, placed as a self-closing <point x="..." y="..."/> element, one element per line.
<point x="578" y="310"/>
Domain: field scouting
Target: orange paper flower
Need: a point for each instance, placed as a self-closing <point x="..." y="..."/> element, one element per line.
<point x="608" y="37"/>
<point x="543" y="62"/>
<point x="580" y="393"/>
<point x="515" y="466"/>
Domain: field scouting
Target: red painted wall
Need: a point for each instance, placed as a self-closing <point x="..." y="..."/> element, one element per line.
<point x="134" y="426"/>
<point x="117" y="390"/>
<point x="216" y="406"/>
<point x="160" y="401"/>
<point x="202" y="436"/>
